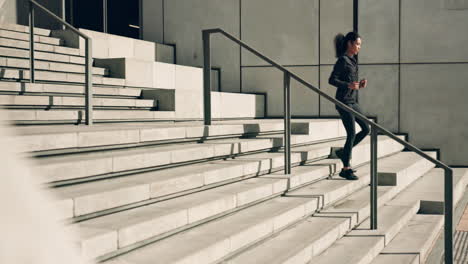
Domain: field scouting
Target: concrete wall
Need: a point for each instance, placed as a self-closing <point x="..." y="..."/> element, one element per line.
<point x="415" y="57"/>
<point x="152" y="18"/>
<point x="8" y="9"/>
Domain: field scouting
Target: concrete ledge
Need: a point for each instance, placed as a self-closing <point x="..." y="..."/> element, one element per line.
<point x="238" y="105"/>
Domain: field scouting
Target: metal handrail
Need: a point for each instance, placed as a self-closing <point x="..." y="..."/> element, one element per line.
<point x="375" y="129"/>
<point x="88" y="56"/>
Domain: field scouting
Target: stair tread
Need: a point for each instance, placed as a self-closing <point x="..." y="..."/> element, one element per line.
<point x="219" y="240"/>
<point x="41" y="55"/>
<point x="66" y="88"/>
<point x="23" y="63"/>
<point x="39" y="47"/>
<point x="341" y="253"/>
<point x="132" y="225"/>
<point x="58" y="76"/>
<point x="25" y="36"/>
<point x="430" y="187"/>
<point x="351" y="210"/>
<point x="24" y="29"/>
<point x="416" y="236"/>
<point x="404" y="231"/>
<point x="187" y="253"/>
<point x="41" y="100"/>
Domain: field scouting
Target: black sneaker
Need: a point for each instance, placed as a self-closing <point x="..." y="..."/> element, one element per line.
<point x="348" y="174"/>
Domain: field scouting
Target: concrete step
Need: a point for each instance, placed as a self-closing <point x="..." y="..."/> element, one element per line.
<point x="112" y="161"/>
<point x="87" y="198"/>
<point x="212" y="241"/>
<point x="401" y="233"/>
<point x="77" y="116"/>
<point x="51" y="101"/>
<point x="310" y="238"/>
<point x="415" y="240"/>
<point x="62" y="77"/>
<point x="65" y="137"/>
<point x="40" y="55"/>
<point x="92" y="197"/>
<point x="67" y="89"/>
<point x="429" y="191"/>
<point x="24" y="45"/>
<point x="362" y="245"/>
<point x="25" y="29"/>
<point x="129" y="227"/>
<point x="82" y="165"/>
<point x="25" y="36"/>
<point x="238" y="236"/>
<point x="50" y="66"/>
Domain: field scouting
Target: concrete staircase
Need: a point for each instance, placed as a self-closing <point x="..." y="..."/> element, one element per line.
<point x="181" y="192"/>
<point x="58" y="95"/>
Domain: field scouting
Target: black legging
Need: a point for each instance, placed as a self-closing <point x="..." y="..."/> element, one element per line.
<point x="352" y="139"/>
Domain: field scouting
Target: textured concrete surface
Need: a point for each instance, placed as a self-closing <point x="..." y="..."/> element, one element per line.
<point x="380" y="98"/>
<point x="379" y="28"/>
<point x="336" y="16"/>
<point x="153" y="20"/>
<point x="433" y="108"/>
<point x="285" y="31"/>
<point x="304" y="102"/>
<point x="184" y="21"/>
<point x="8" y="13"/>
<point x="236" y="105"/>
<point x="431" y="33"/>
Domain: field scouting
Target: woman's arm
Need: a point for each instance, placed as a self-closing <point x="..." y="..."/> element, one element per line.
<point x="335" y="75"/>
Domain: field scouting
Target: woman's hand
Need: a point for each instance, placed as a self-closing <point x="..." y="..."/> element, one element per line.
<point x="353" y="85"/>
<point x="363" y="83"/>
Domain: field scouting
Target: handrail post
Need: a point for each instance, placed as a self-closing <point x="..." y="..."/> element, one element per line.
<point x="374" y="180"/>
<point x="287" y="123"/>
<point x="448" y="216"/>
<point x="206" y="78"/>
<point x="31" y="43"/>
<point x="88" y="82"/>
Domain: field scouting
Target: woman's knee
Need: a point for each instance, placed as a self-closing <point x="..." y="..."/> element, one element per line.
<point x="365" y="129"/>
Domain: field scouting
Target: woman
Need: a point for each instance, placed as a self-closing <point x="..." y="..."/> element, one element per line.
<point x="345" y="77"/>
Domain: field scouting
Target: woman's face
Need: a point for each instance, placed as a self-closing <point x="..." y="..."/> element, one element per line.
<point x="354" y="46"/>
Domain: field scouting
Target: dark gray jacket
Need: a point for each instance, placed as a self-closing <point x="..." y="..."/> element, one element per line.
<point x="345" y="71"/>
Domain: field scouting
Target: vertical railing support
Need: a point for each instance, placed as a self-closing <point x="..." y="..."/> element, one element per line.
<point x="374" y="179"/>
<point x="287" y="123"/>
<point x="31" y="43"/>
<point x="88" y="82"/>
<point x="206" y="78"/>
<point x="105" y="16"/>
<point x="64" y="13"/>
<point x="448" y="208"/>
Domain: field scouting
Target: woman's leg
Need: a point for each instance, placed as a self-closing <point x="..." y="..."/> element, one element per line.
<point x="348" y="122"/>
<point x="364" y="126"/>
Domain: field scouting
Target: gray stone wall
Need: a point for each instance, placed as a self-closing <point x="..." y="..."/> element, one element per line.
<point x="8" y="9"/>
<point x="415" y="57"/>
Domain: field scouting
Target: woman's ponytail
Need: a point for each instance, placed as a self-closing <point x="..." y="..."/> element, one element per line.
<point x="341" y="42"/>
<point x="339" y="47"/>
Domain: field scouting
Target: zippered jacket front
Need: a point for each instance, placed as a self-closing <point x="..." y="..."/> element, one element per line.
<point x="345" y="71"/>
